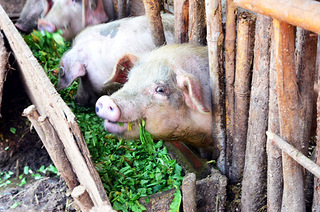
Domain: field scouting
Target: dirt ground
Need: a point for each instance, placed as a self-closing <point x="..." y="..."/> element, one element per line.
<point x="24" y="148"/>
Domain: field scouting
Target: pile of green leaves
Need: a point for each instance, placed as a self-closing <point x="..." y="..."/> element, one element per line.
<point x="129" y="169"/>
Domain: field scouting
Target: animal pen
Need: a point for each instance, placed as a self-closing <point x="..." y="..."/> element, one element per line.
<point x="263" y="103"/>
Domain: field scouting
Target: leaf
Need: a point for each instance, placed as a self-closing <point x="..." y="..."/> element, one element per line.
<point x="13" y="130"/>
<point x="23" y="181"/>
<point x="175" y="205"/>
<point x="15" y="204"/>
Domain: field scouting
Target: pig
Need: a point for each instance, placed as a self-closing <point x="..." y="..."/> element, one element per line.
<point x="169" y="88"/>
<point x="97" y="49"/>
<point x="68" y="16"/>
<point x="31" y="12"/>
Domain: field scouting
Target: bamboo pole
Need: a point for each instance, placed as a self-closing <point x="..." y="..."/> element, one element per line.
<point x="301" y="13"/>
<point x="289" y="104"/>
<point x="152" y="9"/>
<point x="316" y="190"/>
<point x="274" y="173"/>
<point x="197" y="22"/>
<point x="3" y="67"/>
<point x="55" y="149"/>
<point x="181" y="21"/>
<point x="230" y="43"/>
<point x="254" y="184"/>
<point x="122" y="8"/>
<point x="295" y="154"/>
<point x="215" y="41"/>
<point x="245" y="41"/>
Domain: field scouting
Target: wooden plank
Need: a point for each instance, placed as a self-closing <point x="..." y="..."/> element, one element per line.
<point x="301" y="13"/>
<point x="215" y="42"/>
<point x="289" y="116"/>
<point x="49" y="104"/>
<point x="3" y="66"/>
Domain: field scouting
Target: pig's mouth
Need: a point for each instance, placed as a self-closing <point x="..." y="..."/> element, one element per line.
<point x="118" y="127"/>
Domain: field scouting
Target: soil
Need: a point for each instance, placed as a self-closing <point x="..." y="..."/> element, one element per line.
<point x="24" y="148"/>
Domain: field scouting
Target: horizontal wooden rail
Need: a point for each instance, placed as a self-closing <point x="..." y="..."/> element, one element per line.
<point x="301" y="13"/>
<point x="295" y="154"/>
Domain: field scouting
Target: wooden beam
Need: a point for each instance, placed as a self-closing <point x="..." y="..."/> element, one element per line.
<point x="181" y="21"/>
<point x="215" y="42"/>
<point x="301" y="13"/>
<point x="152" y="9"/>
<point x="289" y="116"/>
<point x="3" y="66"/>
<point x="49" y="104"/>
<point x="295" y="154"/>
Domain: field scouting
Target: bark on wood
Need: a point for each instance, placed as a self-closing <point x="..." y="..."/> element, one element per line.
<point x="275" y="177"/>
<point x="49" y="103"/>
<point x="197" y="22"/>
<point x="152" y="9"/>
<point x="189" y="192"/>
<point x="301" y="13"/>
<point x="316" y="190"/>
<point x="3" y="66"/>
<point x="245" y="41"/>
<point x="295" y="154"/>
<point x="181" y="21"/>
<point x="306" y="53"/>
<point x="289" y="104"/>
<point x="215" y="40"/>
<point x="230" y="43"/>
<point x="56" y="152"/>
<point x="254" y="184"/>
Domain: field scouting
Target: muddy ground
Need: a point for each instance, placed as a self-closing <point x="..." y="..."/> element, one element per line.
<point x="24" y="148"/>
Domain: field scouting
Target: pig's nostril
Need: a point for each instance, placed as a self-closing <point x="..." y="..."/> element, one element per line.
<point x="97" y="110"/>
<point x="99" y="106"/>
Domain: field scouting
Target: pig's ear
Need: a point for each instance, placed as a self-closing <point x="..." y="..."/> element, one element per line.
<point x="192" y="92"/>
<point x="122" y="68"/>
<point x="77" y="70"/>
<point x="93" y="13"/>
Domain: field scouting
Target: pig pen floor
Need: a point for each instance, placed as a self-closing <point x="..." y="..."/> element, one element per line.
<point x="24" y="148"/>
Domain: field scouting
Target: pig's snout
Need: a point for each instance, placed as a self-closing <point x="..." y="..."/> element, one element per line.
<point x="46" y="26"/>
<point x="107" y="109"/>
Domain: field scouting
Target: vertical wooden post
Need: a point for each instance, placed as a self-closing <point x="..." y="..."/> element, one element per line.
<point x="215" y="41"/>
<point x="289" y="104"/>
<point x="3" y="66"/>
<point x="197" y="23"/>
<point x="153" y="12"/>
<point x="254" y="184"/>
<point x="245" y="41"/>
<point x="230" y="43"/>
<point x="181" y="21"/>
<point x="316" y="190"/>
<point x="275" y="177"/>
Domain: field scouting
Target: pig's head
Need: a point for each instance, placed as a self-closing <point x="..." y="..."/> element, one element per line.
<point x="72" y="66"/>
<point x="31" y="12"/>
<point x="164" y="95"/>
<point x="68" y="16"/>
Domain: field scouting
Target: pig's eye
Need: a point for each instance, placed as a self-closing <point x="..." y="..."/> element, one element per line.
<point x="160" y="90"/>
<point x="61" y="71"/>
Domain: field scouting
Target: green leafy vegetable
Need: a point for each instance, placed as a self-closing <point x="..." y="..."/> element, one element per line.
<point x="129" y="169"/>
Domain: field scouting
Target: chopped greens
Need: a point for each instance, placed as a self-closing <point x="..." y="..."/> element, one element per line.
<point x="129" y="169"/>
